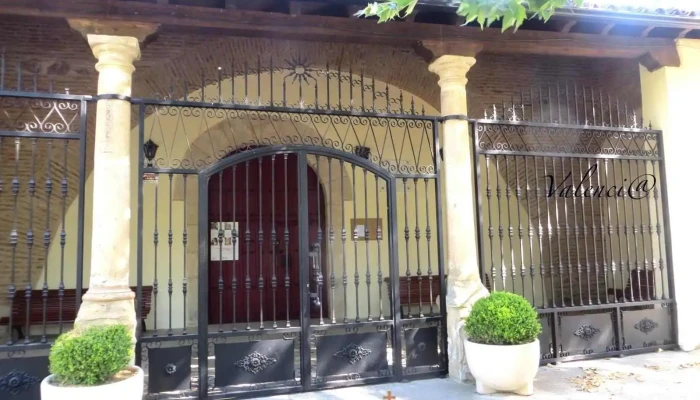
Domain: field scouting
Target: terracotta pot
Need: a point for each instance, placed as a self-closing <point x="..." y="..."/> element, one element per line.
<point x="503" y="368"/>
<point x="130" y="388"/>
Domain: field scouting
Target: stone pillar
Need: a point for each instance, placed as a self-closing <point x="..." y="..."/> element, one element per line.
<point x="464" y="284"/>
<point x="669" y="96"/>
<point x="109" y="299"/>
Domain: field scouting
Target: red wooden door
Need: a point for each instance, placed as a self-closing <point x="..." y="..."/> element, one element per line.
<point x="262" y="196"/>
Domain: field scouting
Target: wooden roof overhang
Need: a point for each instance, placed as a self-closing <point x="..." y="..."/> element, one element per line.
<point x="595" y="33"/>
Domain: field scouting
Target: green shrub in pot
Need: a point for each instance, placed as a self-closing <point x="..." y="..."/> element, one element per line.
<point x="501" y="345"/>
<point x="502" y="318"/>
<point x="90" y="357"/>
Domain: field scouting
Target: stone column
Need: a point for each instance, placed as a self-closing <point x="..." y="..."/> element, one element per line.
<point x="669" y="97"/>
<point x="464" y="284"/>
<point x="109" y="299"/>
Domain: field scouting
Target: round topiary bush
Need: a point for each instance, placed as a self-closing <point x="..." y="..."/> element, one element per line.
<point x="502" y="319"/>
<point x="91" y="356"/>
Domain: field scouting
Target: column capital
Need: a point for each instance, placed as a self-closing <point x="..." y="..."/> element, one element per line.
<point x="139" y="30"/>
<point x="452" y="69"/>
<point x="431" y="50"/>
<point x="114" y="51"/>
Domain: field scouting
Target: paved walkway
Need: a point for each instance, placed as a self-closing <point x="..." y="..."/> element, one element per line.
<point x="657" y="376"/>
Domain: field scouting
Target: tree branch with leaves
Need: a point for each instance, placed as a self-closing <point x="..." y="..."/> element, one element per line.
<point x="512" y="13"/>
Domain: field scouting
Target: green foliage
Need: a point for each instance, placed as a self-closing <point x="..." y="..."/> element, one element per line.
<point x="512" y="12"/>
<point x="503" y="319"/>
<point x="92" y="356"/>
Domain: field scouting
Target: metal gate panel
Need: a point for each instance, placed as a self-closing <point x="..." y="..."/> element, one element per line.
<point x="574" y="217"/>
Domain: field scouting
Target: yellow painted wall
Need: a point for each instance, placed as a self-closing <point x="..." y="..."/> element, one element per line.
<point x="669" y="96"/>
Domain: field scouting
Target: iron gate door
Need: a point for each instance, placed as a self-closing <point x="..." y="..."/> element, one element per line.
<point x="303" y="245"/>
<point x="303" y="301"/>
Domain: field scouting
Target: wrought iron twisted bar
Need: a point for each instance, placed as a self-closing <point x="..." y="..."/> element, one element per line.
<point x="490" y="228"/>
<point x="540" y="230"/>
<point x="319" y="242"/>
<point x="31" y="189"/>
<point x="48" y="186"/>
<point x="500" y="224"/>
<point x="273" y="240"/>
<point x="343" y="239"/>
<point x="419" y="272"/>
<point x="156" y="240"/>
<point x="613" y="265"/>
<point x="234" y="239"/>
<point x="577" y="236"/>
<point x="368" y="275"/>
<point x="550" y="235"/>
<point x="635" y="230"/>
<point x="247" y="242"/>
<point x="651" y="234"/>
<point x="407" y="236"/>
<point x="355" y="234"/>
<point x="220" y="235"/>
<point x="585" y="241"/>
<point x="184" y="256"/>
<point x="659" y="231"/>
<point x="261" y="244"/>
<point x="428" y="236"/>
<point x="170" y="254"/>
<point x="567" y="234"/>
<point x="602" y="231"/>
<point x="523" y="273"/>
<point x="619" y="235"/>
<point x="530" y="232"/>
<point x="511" y="232"/>
<point x="331" y="239"/>
<point x="594" y="235"/>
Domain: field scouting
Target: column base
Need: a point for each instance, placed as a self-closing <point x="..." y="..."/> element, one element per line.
<point x="107" y="306"/>
<point x="462" y="294"/>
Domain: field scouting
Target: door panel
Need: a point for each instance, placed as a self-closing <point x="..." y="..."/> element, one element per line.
<point x="262" y="196"/>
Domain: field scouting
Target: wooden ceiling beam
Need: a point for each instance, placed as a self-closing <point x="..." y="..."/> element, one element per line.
<point x="334" y="29"/>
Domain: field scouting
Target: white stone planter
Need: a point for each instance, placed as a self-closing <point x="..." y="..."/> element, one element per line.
<point x="503" y="368"/>
<point x="128" y="389"/>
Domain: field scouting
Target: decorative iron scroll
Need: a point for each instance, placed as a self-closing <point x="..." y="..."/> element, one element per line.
<point x="196" y="137"/>
<point x="352" y="353"/>
<point x="586" y="332"/>
<point x="496" y="137"/>
<point x="646" y="326"/>
<point x="39" y="115"/>
<point x="255" y="362"/>
<point x="16" y="382"/>
<point x="295" y="83"/>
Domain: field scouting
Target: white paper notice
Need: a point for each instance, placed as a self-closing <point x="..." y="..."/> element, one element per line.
<point x="360" y="231"/>
<point x="226" y="250"/>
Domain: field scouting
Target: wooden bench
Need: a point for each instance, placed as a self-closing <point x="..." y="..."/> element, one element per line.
<point x="637" y="285"/>
<point x="58" y="311"/>
<point x="420" y="292"/>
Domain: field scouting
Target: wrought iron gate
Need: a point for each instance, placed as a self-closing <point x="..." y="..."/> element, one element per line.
<point x="318" y="257"/>
<point x="573" y="215"/>
<point x="43" y="139"/>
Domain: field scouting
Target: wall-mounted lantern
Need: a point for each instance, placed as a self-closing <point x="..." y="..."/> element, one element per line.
<point x="149" y="150"/>
<point x="362" y="151"/>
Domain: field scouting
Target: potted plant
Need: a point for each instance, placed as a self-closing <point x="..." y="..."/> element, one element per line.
<point x="503" y="351"/>
<point x="93" y="364"/>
